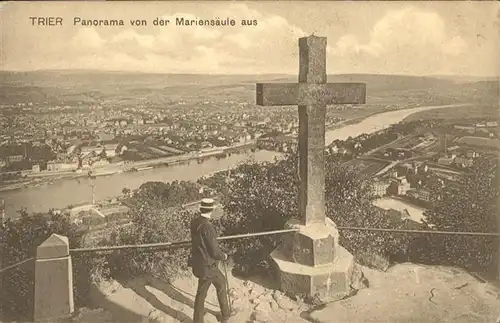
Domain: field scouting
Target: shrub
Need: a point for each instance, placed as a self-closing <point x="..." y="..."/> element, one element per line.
<point x="150" y="225"/>
<point x="349" y="203"/>
<point x="263" y="197"/>
<point x="470" y="207"/>
<point x="156" y="217"/>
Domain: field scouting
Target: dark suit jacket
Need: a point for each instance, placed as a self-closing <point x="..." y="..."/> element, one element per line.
<point x="205" y="250"/>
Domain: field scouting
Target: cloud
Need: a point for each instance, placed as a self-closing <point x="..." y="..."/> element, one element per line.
<point x="199" y="49"/>
<point x="401" y="41"/>
<point x="408" y="40"/>
<point x="89" y="38"/>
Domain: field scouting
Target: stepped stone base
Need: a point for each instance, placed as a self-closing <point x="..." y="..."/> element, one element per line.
<point x="311" y="262"/>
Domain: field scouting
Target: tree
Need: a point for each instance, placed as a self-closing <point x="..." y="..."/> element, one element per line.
<point x="470" y="207"/>
<point x="157" y="216"/>
<point x="263" y="197"/>
<point x="349" y="203"/>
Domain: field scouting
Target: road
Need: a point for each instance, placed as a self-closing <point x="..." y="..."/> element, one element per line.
<point x="387" y="145"/>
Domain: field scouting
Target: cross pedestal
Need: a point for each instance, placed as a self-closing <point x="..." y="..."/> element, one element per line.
<point x="311" y="261"/>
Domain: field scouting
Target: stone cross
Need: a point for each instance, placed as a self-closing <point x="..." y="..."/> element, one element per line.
<point x="312" y="94"/>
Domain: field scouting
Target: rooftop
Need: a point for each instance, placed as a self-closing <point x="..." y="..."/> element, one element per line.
<point x="479" y="141"/>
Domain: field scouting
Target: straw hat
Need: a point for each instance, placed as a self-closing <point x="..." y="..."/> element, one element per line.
<point x="207" y="205"/>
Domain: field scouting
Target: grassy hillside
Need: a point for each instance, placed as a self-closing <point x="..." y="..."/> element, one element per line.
<point x="456" y="113"/>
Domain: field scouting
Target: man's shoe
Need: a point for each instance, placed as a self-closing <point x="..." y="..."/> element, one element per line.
<point x="225" y="319"/>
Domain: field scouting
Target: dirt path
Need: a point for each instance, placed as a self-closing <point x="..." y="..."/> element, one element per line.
<point x="413" y="293"/>
<point x="406" y="293"/>
<point x="154" y="300"/>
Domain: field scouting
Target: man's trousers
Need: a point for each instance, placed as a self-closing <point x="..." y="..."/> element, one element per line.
<point x="219" y="282"/>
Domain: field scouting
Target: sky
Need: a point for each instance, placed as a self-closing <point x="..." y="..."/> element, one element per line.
<point x="408" y="38"/>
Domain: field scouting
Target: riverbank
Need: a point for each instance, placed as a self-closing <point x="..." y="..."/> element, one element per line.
<point x="38" y="179"/>
<point x="378" y="121"/>
<point x="59" y="194"/>
<point x="73" y="191"/>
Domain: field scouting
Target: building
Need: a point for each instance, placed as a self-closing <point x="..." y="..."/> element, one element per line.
<point x="446" y="161"/>
<point x="421" y="169"/>
<point x="479" y="142"/>
<point x="398" y="186"/>
<point x="379" y="187"/>
<point x="110" y="150"/>
<point x="15" y="158"/>
<point x="35" y="168"/>
<point x="86" y="214"/>
<point x="102" y="136"/>
<point x="58" y="167"/>
<point x="472" y="154"/>
<point x="470" y="129"/>
<point x="464" y="161"/>
<point x="423" y="194"/>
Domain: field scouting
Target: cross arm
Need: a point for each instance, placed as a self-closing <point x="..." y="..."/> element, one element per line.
<point x="277" y="94"/>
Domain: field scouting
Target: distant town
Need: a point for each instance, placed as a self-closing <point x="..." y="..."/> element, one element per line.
<point x="39" y="139"/>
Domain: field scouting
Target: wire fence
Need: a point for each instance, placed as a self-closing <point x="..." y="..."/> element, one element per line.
<point x="187" y="243"/>
<point x="183" y="243"/>
<point x="16" y="264"/>
<point x="462" y="233"/>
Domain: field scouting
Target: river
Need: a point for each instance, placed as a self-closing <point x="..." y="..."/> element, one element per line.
<point x="377" y="122"/>
<point x="64" y="192"/>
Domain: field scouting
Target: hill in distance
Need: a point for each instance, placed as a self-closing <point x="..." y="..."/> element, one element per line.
<point x="91" y="85"/>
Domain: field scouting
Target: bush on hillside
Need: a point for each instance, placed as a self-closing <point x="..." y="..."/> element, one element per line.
<point x="349" y="204"/>
<point x="261" y="197"/>
<point x="472" y="207"/>
<point x="216" y="182"/>
<point x="151" y="225"/>
<point x="264" y="197"/>
<point x="156" y="217"/>
<point x="167" y="194"/>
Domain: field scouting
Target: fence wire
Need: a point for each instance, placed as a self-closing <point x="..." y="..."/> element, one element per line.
<point x="463" y="233"/>
<point x="16" y="264"/>
<point x="186" y="243"/>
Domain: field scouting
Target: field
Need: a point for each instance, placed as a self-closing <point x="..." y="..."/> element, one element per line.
<point x="365" y="169"/>
<point x="138" y="151"/>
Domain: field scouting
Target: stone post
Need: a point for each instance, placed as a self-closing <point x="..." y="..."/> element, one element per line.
<point x="498" y="250"/>
<point x="53" y="299"/>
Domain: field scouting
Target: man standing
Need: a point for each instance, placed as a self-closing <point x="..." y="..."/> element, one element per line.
<point x="205" y="255"/>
